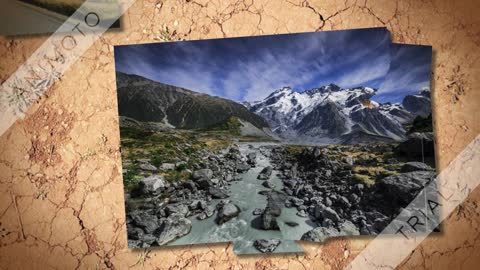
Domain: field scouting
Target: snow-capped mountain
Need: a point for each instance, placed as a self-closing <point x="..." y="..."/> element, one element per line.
<point x="332" y="114"/>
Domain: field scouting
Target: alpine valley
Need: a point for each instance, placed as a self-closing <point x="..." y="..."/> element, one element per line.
<point x="296" y="165"/>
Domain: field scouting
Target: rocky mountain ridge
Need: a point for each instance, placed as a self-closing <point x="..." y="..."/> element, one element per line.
<point x="146" y="100"/>
<point x="331" y="114"/>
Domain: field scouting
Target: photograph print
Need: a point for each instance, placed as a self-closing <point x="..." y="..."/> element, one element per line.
<point x="257" y="140"/>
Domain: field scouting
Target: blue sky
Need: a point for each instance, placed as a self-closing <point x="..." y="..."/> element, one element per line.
<point x="409" y="72"/>
<point x="251" y="68"/>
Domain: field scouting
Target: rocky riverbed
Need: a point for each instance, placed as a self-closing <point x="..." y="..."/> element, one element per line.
<point x="256" y="194"/>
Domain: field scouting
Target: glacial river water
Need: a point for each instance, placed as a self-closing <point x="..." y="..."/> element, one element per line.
<point x="244" y="194"/>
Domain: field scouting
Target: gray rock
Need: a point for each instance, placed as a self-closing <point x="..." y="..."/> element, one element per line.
<point x="189" y="184"/>
<point x="415" y="166"/>
<point x="149" y="223"/>
<point x="227" y="212"/>
<point x="265" y="173"/>
<point x="348" y="228"/>
<point x="202" y="174"/>
<point x="172" y="228"/>
<point x="268" y="184"/>
<point x="152" y="185"/>
<point x="296" y="201"/>
<point x="167" y="166"/>
<point x="215" y="181"/>
<point x="322" y="211"/>
<point x="328" y="202"/>
<point x="147" y="167"/>
<point x="241" y="168"/>
<point x="209" y="211"/>
<point x="291" y="223"/>
<point x="266" y="246"/>
<point x="176" y="209"/>
<point x="198" y="204"/>
<point x="302" y="213"/>
<point x="349" y="160"/>
<point x="204" y="183"/>
<point x="217" y="193"/>
<point x="251" y="158"/>
<point x="343" y="201"/>
<point x="269" y="220"/>
<point x="320" y="234"/>
<point x="403" y="187"/>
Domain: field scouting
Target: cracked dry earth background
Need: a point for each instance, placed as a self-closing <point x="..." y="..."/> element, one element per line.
<point x="61" y="192"/>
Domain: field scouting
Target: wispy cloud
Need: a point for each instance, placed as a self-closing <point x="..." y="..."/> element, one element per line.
<point x="409" y="72"/>
<point x="251" y="68"/>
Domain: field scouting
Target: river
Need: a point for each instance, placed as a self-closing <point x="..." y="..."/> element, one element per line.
<point x="245" y="194"/>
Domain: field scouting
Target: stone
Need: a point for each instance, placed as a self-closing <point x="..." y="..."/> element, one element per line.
<point x="291" y="223"/>
<point x="266" y="246"/>
<point x="202" y="174"/>
<point x="227" y="212"/>
<point x="302" y="213"/>
<point x="204" y="183"/>
<point x="152" y="185"/>
<point x="268" y="184"/>
<point x="149" y="223"/>
<point x="147" y="167"/>
<point x="265" y="173"/>
<point x="241" y="168"/>
<point x="328" y="202"/>
<point x="349" y="160"/>
<point x="251" y="158"/>
<point x="198" y="204"/>
<point x="176" y="209"/>
<point x="209" y="211"/>
<point x="167" y="166"/>
<point x="320" y="234"/>
<point x="217" y="193"/>
<point x="348" y="228"/>
<point x="269" y="220"/>
<point x="402" y="188"/>
<point x="415" y="166"/>
<point x="322" y="212"/>
<point x="296" y="201"/>
<point x="189" y="184"/>
<point x="171" y="228"/>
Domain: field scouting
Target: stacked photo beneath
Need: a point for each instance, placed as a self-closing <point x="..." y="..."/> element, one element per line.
<point x="264" y="141"/>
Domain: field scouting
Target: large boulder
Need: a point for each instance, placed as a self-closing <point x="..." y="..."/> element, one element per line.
<point x="402" y="188"/>
<point x="265" y="173"/>
<point x="275" y="202"/>
<point x="324" y="212"/>
<point x="415" y="166"/>
<point x="171" y="228"/>
<point x="241" y="168"/>
<point x="202" y="174"/>
<point x="149" y="223"/>
<point x="217" y="193"/>
<point x="147" y="167"/>
<point x="268" y="184"/>
<point x="321" y="234"/>
<point x="167" y="166"/>
<point x="417" y="145"/>
<point x="227" y="212"/>
<point x="176" y="209"/>
<point x="152" y="185"/>
<point x="266" y="246"/>
<point x="251" y="158"/>
<point x="269" y="220"/>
